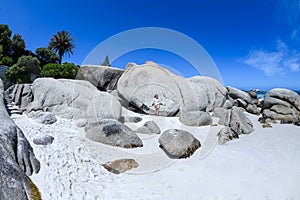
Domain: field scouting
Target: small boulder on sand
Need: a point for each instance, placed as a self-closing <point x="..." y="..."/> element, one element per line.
<point x="112" y="132"/>
<point x="120" y="166"/>
<point x="150" y="127"/>
<point x="178" y="143"/>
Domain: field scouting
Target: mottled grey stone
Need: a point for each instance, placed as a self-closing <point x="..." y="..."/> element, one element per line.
<point x="112" y="132"/>
<point x="178" y="143"/>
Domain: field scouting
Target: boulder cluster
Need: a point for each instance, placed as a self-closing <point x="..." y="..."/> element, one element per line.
<point x="97" y="99"/>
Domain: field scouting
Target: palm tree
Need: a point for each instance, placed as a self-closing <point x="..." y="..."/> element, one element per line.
<point x="62" y="43"/>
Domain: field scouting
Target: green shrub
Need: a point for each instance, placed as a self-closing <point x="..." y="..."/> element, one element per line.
<point x="7" y="61"/>
<point x="66" y="70"/>
<point x="25" y="70"/>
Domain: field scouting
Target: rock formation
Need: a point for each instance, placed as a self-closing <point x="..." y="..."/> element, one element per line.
<point x="103" y="77"/>
<point x="17" y="159"/>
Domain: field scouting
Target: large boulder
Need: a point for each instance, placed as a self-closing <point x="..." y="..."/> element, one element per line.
<point x="103" y="77"/>
<point x="234" y="118"/>
<point x="281" y="104"/>
<point x="178" y="143"/>
<point x="195" y="118"/>
<point x="139" y="83"/>
<point x="17" y="159"/>
<point x="216" y="93"/>
<point x="76" y="99"/>
<point x="286" y="95"/>
<point x="112" y="132"/>
<point x="238" y="94"/>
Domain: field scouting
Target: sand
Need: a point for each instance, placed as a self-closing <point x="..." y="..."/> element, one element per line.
<point x="262" y="165"/>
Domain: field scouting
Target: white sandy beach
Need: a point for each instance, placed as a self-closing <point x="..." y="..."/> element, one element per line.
<point x="262" y="165"/>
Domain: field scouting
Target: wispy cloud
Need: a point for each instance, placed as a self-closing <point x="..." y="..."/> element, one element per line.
<point x="288" y="11"/>
<point x="279" y="61"/>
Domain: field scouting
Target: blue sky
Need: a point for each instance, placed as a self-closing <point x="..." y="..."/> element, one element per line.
<point x="254" y="43"/>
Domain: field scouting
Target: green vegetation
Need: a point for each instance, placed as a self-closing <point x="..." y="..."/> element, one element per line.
<point x="25" y="66"/>
<point x="8" y="61"/>
<point x="46" y="56"/>
<point x="25" y="70"/>
<point x="106" y="61"/>
<point x="17" y="48"/>
<point x="5" y="42"/>
<point x="66" y="70"/>
<point x="62" y="43"/>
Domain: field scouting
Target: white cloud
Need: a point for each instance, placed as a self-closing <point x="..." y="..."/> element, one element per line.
<point x="279" y="61"/>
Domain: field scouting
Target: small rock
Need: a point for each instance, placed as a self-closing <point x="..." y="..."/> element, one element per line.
<point x="149" y="127"/>
<point x="120" y="166"/>
<point x="226" y="134"/>
<point x="43" y="140"/>
<point x="266" y="125"/>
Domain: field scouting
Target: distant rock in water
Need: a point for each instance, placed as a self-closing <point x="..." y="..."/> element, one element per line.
<point x="103" y="77"/>
<point x="178" y="143"/>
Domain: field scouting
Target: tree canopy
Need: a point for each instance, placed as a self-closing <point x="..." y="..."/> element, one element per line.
<point x="45" y="55"/>
<point x="25" y="70"/>
<point x="62" y="43"/>
<point x="106" y="61"/>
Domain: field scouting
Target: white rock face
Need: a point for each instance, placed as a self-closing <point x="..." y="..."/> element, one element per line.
<point x="139" y="83"/>
<point x="216" y="93"/>
<point x="73" y="99"/>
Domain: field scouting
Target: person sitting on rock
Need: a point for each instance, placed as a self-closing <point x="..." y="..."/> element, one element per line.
<point x="156" y="102"/>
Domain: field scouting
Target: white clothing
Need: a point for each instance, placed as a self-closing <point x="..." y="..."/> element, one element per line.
<point x="156" y="102"/>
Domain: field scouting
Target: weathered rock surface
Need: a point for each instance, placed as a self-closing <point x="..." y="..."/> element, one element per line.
<point x="103" y="77"/>
<point x="43" y="117"/>
<point x="226" y="134"/>
<point x="281" y="104"/>
<point x="235" y="119"/>
<point x="20" y="95"/>
<point x="178" y="143"/>
<point x="17" y="159"/>
<point x="176" y="92"/>
<point x="150" y="127"/>
<point x="43" y="140"/>
<point x="120" y="166"/>
<point x="195" y="118"/>
<point x="238" y="94"/>
<point x="216" y="93"/>
<point x="73" y="99"/>
<point x="112" y="132"/>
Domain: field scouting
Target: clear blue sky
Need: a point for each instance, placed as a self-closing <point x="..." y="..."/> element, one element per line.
<point x="254" y="43"/>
